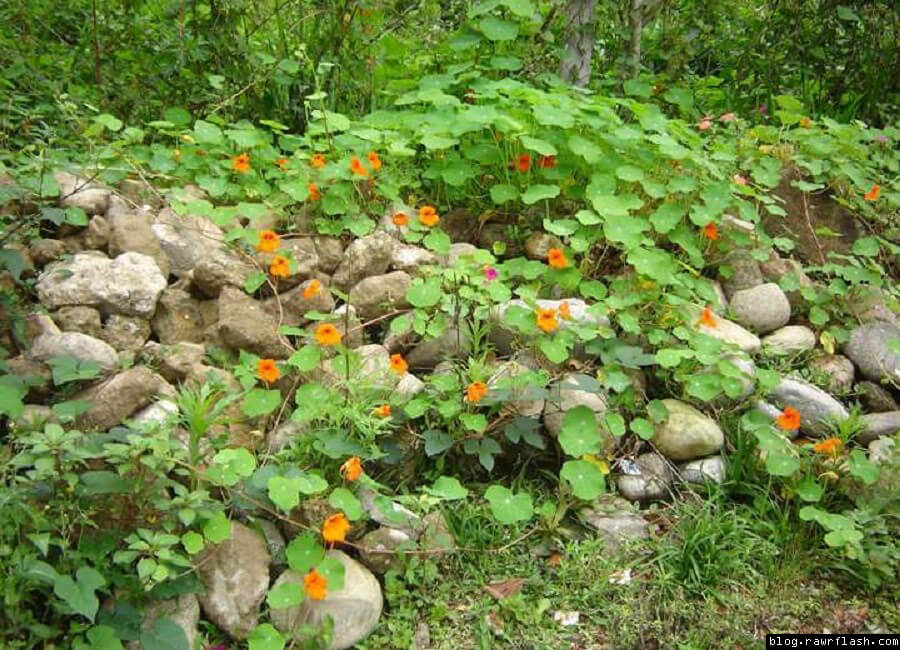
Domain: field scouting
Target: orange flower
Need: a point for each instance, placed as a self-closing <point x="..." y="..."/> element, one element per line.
<point x="428" y="216"/>
<point x="356" y="167"/>
<point x="872" y="195"/>
<point x="317" y="161"/>
<point x="269" y="241"/>
<point x="280" y="267"/>
<point x="547" y="162"/>
<point x="524" y="162"/>
<point x="707" y="318"/>
<point x="400" y="219"/>
<point x="711" y="231"/>
<point x="383" y="411"/>
<point x="335" y="528"/>
<point x="374" y="160"/>
<point x="476" y="391"/>
<point x="789" y="420"/>
<point x="282" y="164"/>
<point x="806" y="122"/>
<point x="267" y="370"/>
<point x="241" y="163"/>
<point x="352" y="469"/>
<point x="546" y="320"/>
<point x="314" y="194"/>
<point x="398" y="364"/>
<point x="828" y="446"/>
<point x="564" y="310"/>
<point x="327" y="334"/>
<point x="557" y="258"/>
<point x="316" y="585"/>
<point x="312" y="289"/>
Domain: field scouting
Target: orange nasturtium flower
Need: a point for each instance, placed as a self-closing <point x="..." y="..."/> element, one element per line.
<point x="316" y="585"/>
<point x="806" y="122"/>
<point x="789" y="420"/>
<point x="280" y="267"/>
<point x="352" y="469"/>
<point x="711" y="231"/>
<point x="269" y="241"/>
<point x="828" y="446"/>
<point x="312" y="289"/>
<point x="267" y="370"/>
<point x="374" y="160"/>
<point x="557" y="258"/>
<point x="428" y="216"/>
<point x="400" y="219"/>
<point x="314" y="194"/>
<point x="317" y="161"/>
<point x="241" y="163"/>
<point x="476" y="391"/>
<point x="524" y="162"/>
<point x="383" y="411"/>
<point x="546" y="320"/>
<point x="707" y="318"/>
<point x="398" y="364"/>
<point x="335" y="528"/>
<point x="564" y="310"/>
<point x="872" y="195"/>
<point x="357" y="168"/>
<point x="327" y="334"/>
<point x="282" y="164"/>
<point x="547" y="162"/>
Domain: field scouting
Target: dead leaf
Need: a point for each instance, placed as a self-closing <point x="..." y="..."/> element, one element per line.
<point x="505" y="588"/>
<point x="554" y="560"/>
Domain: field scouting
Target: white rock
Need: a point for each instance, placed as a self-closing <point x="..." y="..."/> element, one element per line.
<point x="77" y="345"/>
<point x="790" y="340"/>
<point x="75" y="192"/>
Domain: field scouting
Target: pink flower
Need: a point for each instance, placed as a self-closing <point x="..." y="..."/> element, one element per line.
<point x="762" y="109"/>
<point x="727" y="117"/>
<point x="881" y="138"/>
<point x="490" y="273"/>
<point x="705" y="124"/>
<point x="740" y="180"/>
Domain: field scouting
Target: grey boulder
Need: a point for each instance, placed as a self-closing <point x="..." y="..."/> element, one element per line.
<point x="762" y="308"/>
<point x="687" y="433"/>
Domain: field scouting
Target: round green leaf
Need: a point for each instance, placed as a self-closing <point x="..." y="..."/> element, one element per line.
<point x="586" y="479"/>
<point x="507" y="507"/>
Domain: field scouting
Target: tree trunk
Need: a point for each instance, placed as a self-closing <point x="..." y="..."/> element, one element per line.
<point x="637" y="27"/>
<point x="576" y="63"/>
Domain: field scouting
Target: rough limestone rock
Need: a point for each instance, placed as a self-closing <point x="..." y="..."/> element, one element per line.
<point x="184" y="611"/>
<point x="177" y="318"/>
<point x="452" y="344"/>
<point x="571" y="391"/>
<point x="869" y="349"/>
<point x="745" y="273"/>
<point x="836" y="369"/>
<point x="212" y="274"/>
<point x="412" y="259"/>
<point x="96" y="235"/>
<point x="79" y="319"/>
<point x="538" y="245"/>
<point x="762" y="308"/>
<point x="374" y="369"/>
<point x="158" y="413"/>
<point x="649" y="478"/>
<point x="881" y="450"/>
<point x="724" y="330"/>
<point x="77" y="192"/>
<point x="355" y="609"/>
<point x="174" y="362"/>
<point x="129" y="284"/>
<point x="132" y="232"/>
<point x="875" y="398"/>
<point x="377" y="549"/>
<point x="186" y="240"/>
<point x="118" y="397"/>
<point x="878" y="425"/>
<point x="44" y="251"/>
<point x="125" y="332"/>
<point x="687" y="433"/>
<point x="790" y="339"/>
<point x="35" y="375"/>
<point x="294" y="304"/>
<point x="378" y="295"/>
<point x="77" y="345"/>
<point x="245" y="324"/>
<point x="366" y="256"/>
<point x="508" y="384"/>
<point x="703" y="470"/>
<point x="331" y="253"/>
<point x="408" y="386"/>
<point x="285" y="434"/>
<point x="503" y="337"/>
<point x="615" y="519"/>
<point x="236" y="576"/>
<point x="816" y="407"/>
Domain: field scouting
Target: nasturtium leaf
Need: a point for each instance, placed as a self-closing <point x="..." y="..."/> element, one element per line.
<point x="287" y="594"/>
<point x="643" y="428"/>
<point x="192" y="542"/>
<point x="474" y="421"/>
<point x="103" y="637"/>
<point x="164" y="634"/>
<point x="306" y="358"/>
<point x="437" y="442"/>
<point x="862" y="468"/>
<point x="449" y="488"/>
<point x="630" y="173"/>
<point x="502" y="193"/>
<point x="231" y="465"/>
<point x="615" y="423"/>
<point x="583" y="147"/>
<point x="217" y="528"/>
<point x="507" y="507"/>
<point x="79" y="593"/>
<point x="284" y="492"/>
<point x="206" y="133"/>
<point x="866" y="246"/>
<point x="260" y="401"/>
<point x="11" y="401"/>
<point x="437" y="240"/>
<point x="332" y="569"/>
<point x="586" y="479"/>
<point x="535" y="144"/>
<point x="779" y="464"/>
<point x="554" y="349"/>
<point x="265" y="637"/>
<point x="424" y="293"/>
<point x="304" y="552"/>
<point x="810" y="490"/>
<point x="704" y="386"/>
<point x="580" y="434"/>
<point x="667" y="216"/>
<point x="343" y="499"/>
<point x="521" y="8"/>
<point x="536" y="193"/>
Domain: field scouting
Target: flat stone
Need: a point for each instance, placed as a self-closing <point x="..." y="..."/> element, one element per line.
<point x="615" y="520"/>
<point x="789" y="340"/>
<point x="882" y="450"/>
<point x="412" y="259"/>
<point x="816" y="407"/>
<point x="762" y="308"/>
<point x="452" y="344"/>
<point x="132" y="232"/>
<point x="187" y="239"/>
<point x="745" y="273"/>
<point x="878" y="425"/>
<point x="869" y="348"/>
<point x="538" y="245"/>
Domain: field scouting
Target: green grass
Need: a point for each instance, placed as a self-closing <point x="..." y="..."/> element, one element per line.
<point x="715" y="574"/>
